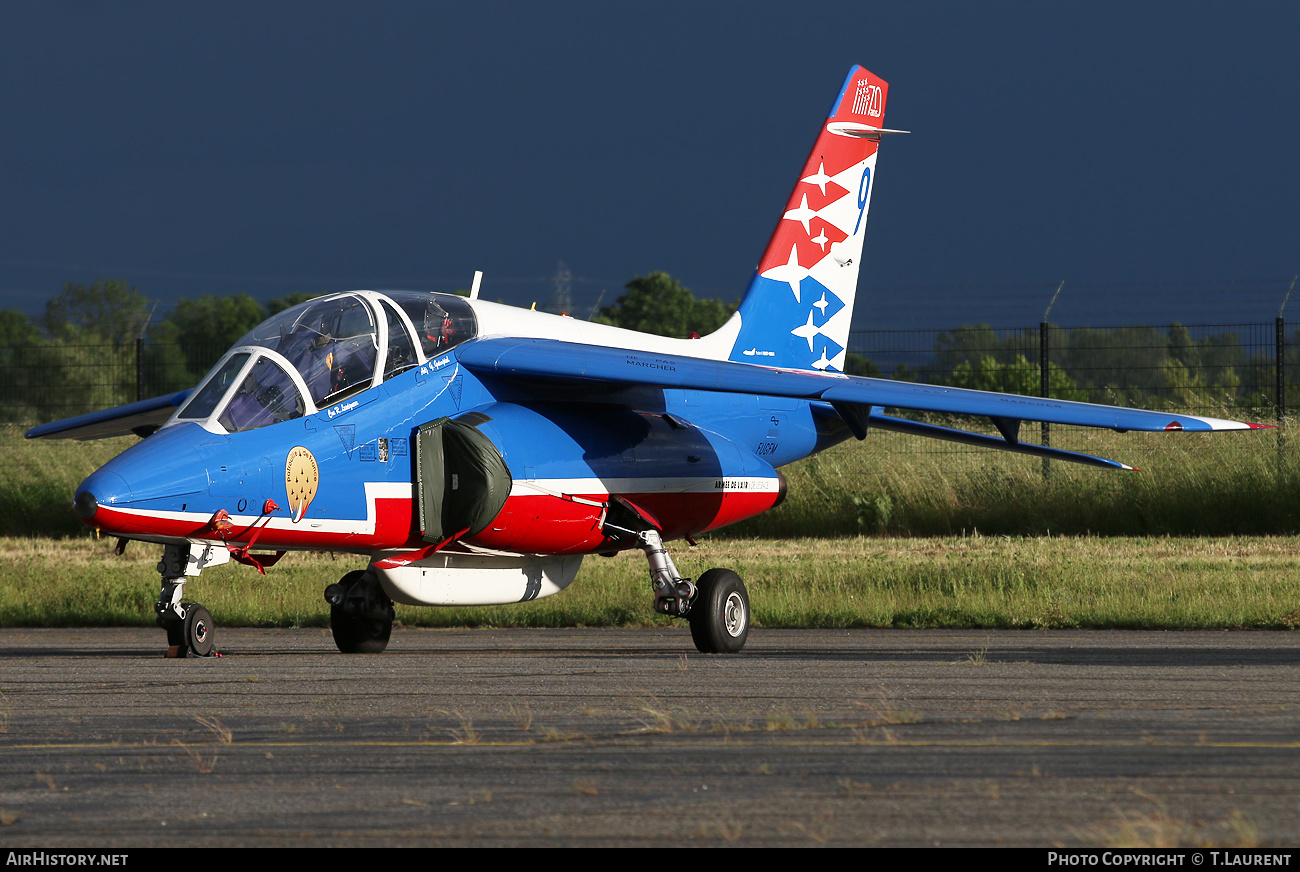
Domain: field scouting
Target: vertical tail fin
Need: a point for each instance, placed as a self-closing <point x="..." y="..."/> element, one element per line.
<point x="797" y="310"/>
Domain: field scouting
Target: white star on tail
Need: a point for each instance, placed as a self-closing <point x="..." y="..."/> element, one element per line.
<point x="803" y="215"/>
<point x="791" y="272"/>
<point x="808" y="331"/>
<point x="821" y="306"/>
<point x="823" y="363"/>
<point x="818" y="178"/>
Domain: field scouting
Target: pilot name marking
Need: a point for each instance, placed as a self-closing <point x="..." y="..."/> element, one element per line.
<point x="343" y="407"/>
<point x="440" y="363"/>
<point x="666" y="366"/>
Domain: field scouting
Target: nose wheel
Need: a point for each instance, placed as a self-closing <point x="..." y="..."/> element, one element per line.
<point x="190" y="636"/>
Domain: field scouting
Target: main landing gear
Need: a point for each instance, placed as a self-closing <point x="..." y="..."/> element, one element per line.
<point x="717" y="606"/>
<point x="361" y="614"/>
<point x="719" y="616"/>
<point x="188" y="625"/>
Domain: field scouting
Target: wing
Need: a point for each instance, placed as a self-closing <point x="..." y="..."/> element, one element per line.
<point x="133" y="419"/>
<point x="858" y="401"/>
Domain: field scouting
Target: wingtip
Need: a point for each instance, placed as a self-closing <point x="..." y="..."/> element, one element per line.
<point x="1225" y="424"/>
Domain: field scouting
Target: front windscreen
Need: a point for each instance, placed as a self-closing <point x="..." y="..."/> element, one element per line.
<point x="267" y="395"/>
<point x="205" y="399"/>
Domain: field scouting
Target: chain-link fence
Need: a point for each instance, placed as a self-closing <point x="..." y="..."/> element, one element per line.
<point x="45" y="381"/>
<point x="1204" y="368"/>
<point x="1221" y="370"/>
<point x="1207" y="369"/>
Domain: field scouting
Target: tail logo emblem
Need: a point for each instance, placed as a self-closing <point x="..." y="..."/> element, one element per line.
<point x="868" y="100"/>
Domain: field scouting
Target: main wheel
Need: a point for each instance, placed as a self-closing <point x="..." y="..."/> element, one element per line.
<point x="198" y="630"/>
<point x="358" y="634"/>
<point x="719" y="616"/>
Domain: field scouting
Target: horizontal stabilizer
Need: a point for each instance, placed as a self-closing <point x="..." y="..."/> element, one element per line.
<point x="133" y="419"/>
<point x="861" y="131"/>
<point x="563" y="363"/>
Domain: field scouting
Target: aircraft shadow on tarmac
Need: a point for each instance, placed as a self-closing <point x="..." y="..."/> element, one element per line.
<point x="657" y="645"/>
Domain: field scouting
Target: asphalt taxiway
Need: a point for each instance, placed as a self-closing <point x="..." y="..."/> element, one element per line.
<point x="629" y="737"/>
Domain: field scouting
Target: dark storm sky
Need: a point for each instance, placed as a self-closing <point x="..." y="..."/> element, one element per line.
<point x="1143" y="152"/>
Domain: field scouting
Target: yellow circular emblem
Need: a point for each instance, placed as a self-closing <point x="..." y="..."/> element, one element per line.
<point x="301" y="479"/>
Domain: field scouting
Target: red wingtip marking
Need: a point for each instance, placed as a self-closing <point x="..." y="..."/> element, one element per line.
<point x="1260" y="426"/>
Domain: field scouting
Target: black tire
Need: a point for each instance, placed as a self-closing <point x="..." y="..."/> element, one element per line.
<point x="198" y="630"/>
<point x="357" y="634"/>
<point x="720" y="615"/>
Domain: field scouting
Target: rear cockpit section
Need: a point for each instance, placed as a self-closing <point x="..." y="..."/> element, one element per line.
<point x="321" y="352"/>
<point x="441" y="321"/>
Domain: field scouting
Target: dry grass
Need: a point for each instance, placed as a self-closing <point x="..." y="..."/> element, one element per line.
<point x="659" y="718"/>
<point x="204" y="758"/>
<point x="220" y="732"/>
<point x="885" y="711"/>
<point x="204" y="761"/>
<point x="464" y="733"/>
<point x="1158" y="829"/>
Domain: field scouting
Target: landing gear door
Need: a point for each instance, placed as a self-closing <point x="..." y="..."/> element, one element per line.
<point x="461" y="480"/>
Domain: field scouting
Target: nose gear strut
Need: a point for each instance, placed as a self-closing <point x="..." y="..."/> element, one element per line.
<point x="188" y="625"/>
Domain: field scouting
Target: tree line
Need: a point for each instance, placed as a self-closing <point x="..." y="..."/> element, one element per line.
<point x="102" y="344"/>
<point x="82" y="353"/>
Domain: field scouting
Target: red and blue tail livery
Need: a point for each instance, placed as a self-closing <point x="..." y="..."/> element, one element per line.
<point x="475" y="453"/>
<point x="799" y="305"/>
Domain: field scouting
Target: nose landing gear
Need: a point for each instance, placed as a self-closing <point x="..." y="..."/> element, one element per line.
<point x="188" y="625"/>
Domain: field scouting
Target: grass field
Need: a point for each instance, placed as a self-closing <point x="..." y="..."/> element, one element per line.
<point x="890" y="533"/>
<point x="972" y="581"/>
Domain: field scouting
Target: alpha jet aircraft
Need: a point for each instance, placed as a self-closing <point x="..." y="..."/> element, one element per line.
<point x="475" y="452"/>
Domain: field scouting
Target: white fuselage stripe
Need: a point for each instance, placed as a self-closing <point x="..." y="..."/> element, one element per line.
<point x="675" y="485"/>
<point x="401" y="490"/>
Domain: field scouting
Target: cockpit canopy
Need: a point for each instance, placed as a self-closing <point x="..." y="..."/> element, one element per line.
<point x="317" y="353"/>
